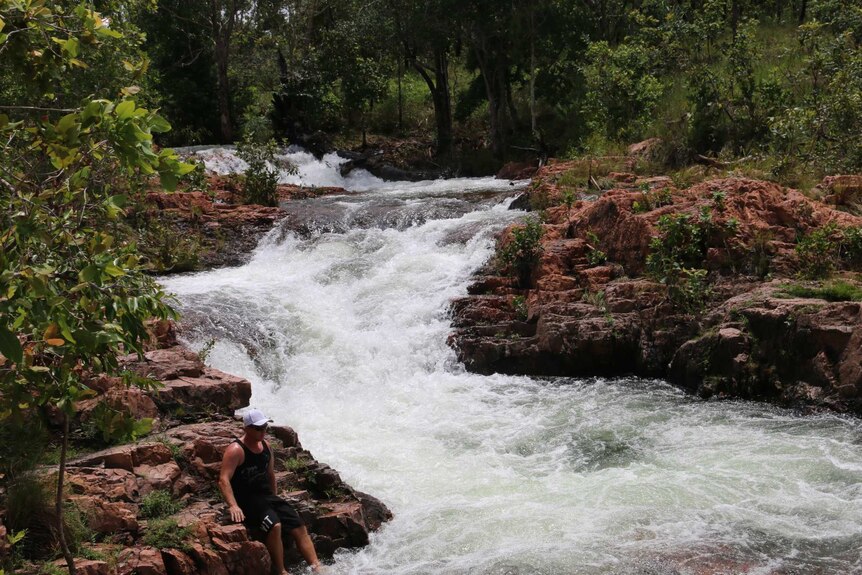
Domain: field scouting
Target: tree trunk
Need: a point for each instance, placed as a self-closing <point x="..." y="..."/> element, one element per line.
<point x="493" y="72"/>
<point x="802" y="12"/>
<point x="222" y="51"/>
<point x="533" y="69"/>
<point x="443" y="103"/>
<point x="58" y="502"/>
<point x="400" y="97"/>
<point x="439" y="88"/>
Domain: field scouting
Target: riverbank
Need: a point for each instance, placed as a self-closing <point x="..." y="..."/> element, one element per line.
<point x="153" y="506"/>
<point x="726" y="288"/>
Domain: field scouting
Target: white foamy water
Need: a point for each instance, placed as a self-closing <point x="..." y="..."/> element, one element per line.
<point x="343" y="336"/>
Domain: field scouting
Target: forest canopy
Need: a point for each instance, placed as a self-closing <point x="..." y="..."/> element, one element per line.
<point x="781" y="80"/>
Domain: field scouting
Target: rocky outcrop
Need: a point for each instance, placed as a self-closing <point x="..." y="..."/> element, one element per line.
<point x="764" y="345"/>
<point x="111" y="486"/>
<point x="589" y="307"/>
<point x="192" y="408"/>
<point x="224" y="229"/>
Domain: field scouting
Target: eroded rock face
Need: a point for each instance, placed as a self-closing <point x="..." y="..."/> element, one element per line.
<point x="110" y="486"/>
<point x="581" y="316"/>
<point x="188" y="385"/>
<point x="795" y="351"/>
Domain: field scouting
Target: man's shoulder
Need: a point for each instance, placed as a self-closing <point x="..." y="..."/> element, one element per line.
<point x="234" y="450"/>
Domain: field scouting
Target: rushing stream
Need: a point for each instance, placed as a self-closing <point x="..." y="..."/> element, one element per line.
<point x="340" y="322"/>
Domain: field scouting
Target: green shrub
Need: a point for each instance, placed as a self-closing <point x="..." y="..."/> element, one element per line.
<point x="23" y="443"/>
<point x="261" y="177"/>
<point x="851" y="246"/>
<point x="294" y="464"/>
<point x="817" y="252"/>
<point x="692" y="290"/>
<point x="30" y="510"/>
<point x="166" y="534"/>
<point x="519" y="305"/>
<point x="522" y="252"/>
<point x="158" y="504"/>
<point x="652" y="199"/>
<point x="595" y="256"/>
<point x="681" y="243"/>
<point x="112" y="426"/>
<point x="677" y="255"/>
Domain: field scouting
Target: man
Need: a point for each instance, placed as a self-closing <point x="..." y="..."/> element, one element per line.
<point x="247" y="481"/>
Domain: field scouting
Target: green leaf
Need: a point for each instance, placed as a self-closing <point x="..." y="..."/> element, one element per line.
<point x="67" y="122"/>
<point x="114" y="271"/>
<point x="90" y="273"/>
<point x="125" y="109"/>
<point x="2" y="24"/>
<point x="71" y="47"/>
<point x="10" y="346"/>
<point x="159" y="124"/>
<point x="169" y="180"/>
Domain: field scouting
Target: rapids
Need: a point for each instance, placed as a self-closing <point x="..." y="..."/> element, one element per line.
<point x="341" y="326"/>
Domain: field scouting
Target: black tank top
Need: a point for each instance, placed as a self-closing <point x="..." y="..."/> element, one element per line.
<point x="251" y="477"/>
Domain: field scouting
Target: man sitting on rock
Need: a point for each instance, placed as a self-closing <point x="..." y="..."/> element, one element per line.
<point x="247" y="481"/>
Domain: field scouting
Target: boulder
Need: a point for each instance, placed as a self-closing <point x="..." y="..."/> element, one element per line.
<point x="105" y="516"/>
<point x="178" y="562"/>
<point x="140" y="561"/>
<point x="518" y="171"/>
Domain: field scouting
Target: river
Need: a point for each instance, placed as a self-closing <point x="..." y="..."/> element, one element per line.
<point x="341" y="328"/>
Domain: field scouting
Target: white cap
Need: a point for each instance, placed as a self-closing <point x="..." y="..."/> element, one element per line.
<point x="254" y="417"/>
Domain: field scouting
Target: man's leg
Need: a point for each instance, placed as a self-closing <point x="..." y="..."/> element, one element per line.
<point x="276" y="549"/>
<point x="305" y="547"/>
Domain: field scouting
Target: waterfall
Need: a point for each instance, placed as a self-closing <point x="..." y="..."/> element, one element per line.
<point x="341" y="326"/>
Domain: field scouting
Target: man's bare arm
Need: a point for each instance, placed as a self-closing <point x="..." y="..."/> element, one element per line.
<point x="233" y="457"/>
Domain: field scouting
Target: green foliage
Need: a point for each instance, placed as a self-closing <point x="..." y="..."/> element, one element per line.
<point x="294" y="464"/>
<point x="850" y="248"/>
<point x="166" y="534"/>
<point x="159" y="504"/>
<point x="621" y="89"/>
<point x="519" y="305"/>
<point x="30" y="510"/>
<point x="261" y="176"/>
<point x="817" y="252"/>
<point x="522" y="251"/>
<point x="23" y="441"/>
<point x="112" y="426"/>
<point x="207" y="348"/>
<point x="677" y="255"/>
<point x="831" y="291"/>
<point x="596" y="299"/>
<point x="163" y="245"/>
<point x="595" y="256"/>
<point x="72" y="297"/>
<point x="652" y="199"/>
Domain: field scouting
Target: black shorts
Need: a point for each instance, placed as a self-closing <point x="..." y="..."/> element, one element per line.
<point x="264" y="512"/>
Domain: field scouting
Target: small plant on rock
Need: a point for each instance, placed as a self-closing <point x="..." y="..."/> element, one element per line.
<point x="261" y="177"/>
<point x="652" y="199"/>
<point x="522" y="252"/>
<point x="850" y="249"/>
<point x="111" y="426"/>
<point x="166" y="534"/>
<point x="595" y="256"/>
<point x="519" y="305"/>
<point x="158" y="504"/>
<point x="818" y="252"/>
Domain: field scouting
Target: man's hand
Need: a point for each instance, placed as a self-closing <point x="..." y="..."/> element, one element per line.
<point x="236" y="514"/>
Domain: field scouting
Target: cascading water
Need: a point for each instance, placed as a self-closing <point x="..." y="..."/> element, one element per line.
<point x="341" y="326"/>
